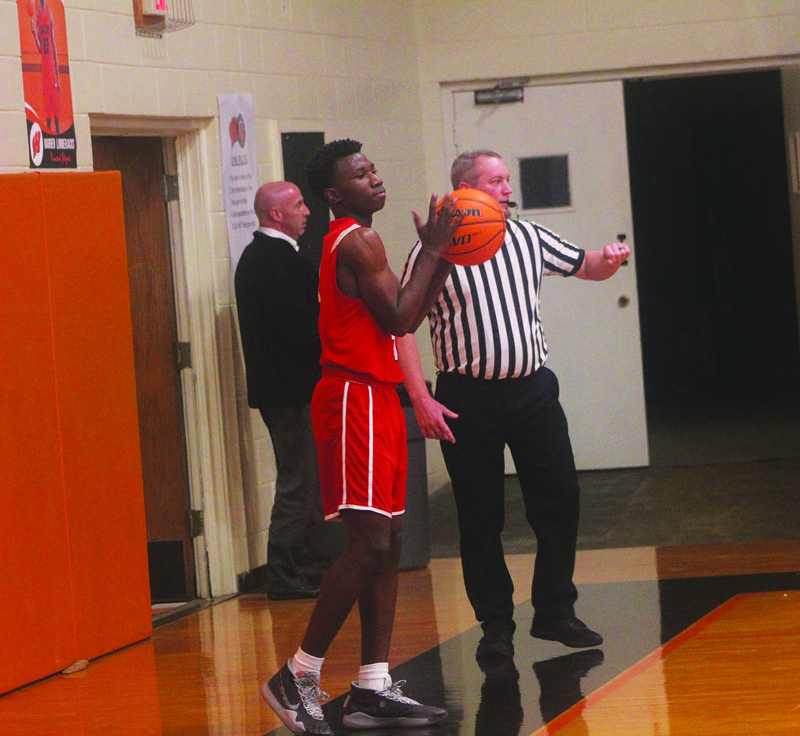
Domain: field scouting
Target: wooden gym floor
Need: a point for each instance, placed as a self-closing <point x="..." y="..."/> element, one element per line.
<point x="698" y="640"/>
<point x="701" y="619"/>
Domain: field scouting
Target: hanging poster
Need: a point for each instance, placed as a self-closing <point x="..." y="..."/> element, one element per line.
<point x="239" y="170"/>
<point x="46" y="84"/>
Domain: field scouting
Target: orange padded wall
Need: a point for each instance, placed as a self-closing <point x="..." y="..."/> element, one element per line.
<point x="73" y="555"/>
<point x="35" y="634"/>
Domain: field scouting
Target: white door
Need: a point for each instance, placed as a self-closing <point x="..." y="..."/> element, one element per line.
<point x="592" y="328"/>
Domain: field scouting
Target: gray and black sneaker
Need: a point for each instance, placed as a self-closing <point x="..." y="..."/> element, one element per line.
<point x="389" y="707"/>
<point x="295" y="698"/>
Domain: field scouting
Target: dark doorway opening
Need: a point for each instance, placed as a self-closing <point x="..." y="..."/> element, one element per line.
<point x="297" y="149"/>
<point x="713" y="244"/>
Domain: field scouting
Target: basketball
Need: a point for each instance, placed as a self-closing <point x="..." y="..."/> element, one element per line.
<point x="481" y="232"/>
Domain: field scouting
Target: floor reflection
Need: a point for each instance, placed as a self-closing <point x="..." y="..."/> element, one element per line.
<point x="519" y="696"/>
<point x="560" y="680"/>
<point x="500" y="710"/>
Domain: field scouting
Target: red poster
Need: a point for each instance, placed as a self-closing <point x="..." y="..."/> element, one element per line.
<point x="46" y="83"/>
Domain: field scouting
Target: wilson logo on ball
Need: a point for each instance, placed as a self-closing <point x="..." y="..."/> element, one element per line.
<point x="481" y="232"/>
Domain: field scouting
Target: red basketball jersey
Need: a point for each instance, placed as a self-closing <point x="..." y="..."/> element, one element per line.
<point x="45" y="30"/>
<point x="351" y="338"/>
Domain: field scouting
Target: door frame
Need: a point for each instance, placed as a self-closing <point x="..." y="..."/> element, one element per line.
<point x="208" y="444"/>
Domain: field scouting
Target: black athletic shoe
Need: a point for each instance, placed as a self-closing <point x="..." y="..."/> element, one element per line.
<point x="372" y="709"/>
<point x="497" y="640"/>
<point x="293" y="594"/>
<point x="295" y="699"/>
<point x="570" y="631"/>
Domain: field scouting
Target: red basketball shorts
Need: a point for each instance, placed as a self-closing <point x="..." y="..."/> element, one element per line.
<point x="360" y="432"/>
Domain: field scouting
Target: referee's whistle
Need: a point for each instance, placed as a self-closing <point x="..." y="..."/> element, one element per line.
<point x="621" y="239"/>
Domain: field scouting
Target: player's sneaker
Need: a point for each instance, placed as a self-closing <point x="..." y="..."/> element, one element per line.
<point x="295" y="698"/>
<point x="389" y="707"/>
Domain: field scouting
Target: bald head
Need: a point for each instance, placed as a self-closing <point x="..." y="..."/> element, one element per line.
<point x="280" y="206"/>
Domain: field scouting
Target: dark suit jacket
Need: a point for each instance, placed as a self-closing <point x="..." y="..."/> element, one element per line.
<point x="277" y="301"/>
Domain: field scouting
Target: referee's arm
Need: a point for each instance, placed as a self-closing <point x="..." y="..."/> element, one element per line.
<point x="599" y="265"/>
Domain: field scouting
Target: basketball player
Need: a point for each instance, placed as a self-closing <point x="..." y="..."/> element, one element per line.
<point x="495" y="391"/>
<point x="44" y="36"/>
<point x="360" y="431"/>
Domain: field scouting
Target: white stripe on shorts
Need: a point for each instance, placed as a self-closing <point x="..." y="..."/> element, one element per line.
<point x="371" y="466"/>
<point x="371" y="449"/>
<point x="344" y="442"/>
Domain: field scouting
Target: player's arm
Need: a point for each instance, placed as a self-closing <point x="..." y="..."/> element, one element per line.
<point x="363" y="271"/>
<point x="35" y="32"/>
<point x="429" y="413"/>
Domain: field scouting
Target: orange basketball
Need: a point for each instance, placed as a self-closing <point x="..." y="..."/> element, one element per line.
<point x="482" y="230"/>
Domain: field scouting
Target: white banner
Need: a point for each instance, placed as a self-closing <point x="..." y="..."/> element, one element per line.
<point x="239" y="169"/>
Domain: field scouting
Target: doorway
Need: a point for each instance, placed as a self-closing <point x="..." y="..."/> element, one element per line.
<point x="714" y="263"/>
<point x="712" y="252"/>
<point x="297" y="149"/>
<point x="592" y="330"/>
<point x="140" y="160"/>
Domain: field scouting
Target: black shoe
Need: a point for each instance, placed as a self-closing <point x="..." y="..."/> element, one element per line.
<point x="296" y="701"/>
<point x="376" y="709"/>
<point x="570" y="631"/>
<point x="497" y="639"/>
<point x="292" y="594"/>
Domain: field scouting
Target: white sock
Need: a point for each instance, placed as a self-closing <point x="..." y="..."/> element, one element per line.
<point x="302" y="662"/>
<point x="374" y="676"/>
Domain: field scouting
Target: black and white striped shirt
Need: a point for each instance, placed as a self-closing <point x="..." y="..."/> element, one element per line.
<point x="485" y="323"/>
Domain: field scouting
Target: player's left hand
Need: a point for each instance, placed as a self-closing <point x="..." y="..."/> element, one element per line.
<point x="443" y="220"/>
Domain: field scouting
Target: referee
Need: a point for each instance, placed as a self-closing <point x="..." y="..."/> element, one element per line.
<point x="493" y="389"/>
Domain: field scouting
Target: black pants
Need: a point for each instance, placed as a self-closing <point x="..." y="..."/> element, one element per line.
<point x="301" y="546"/>
<point x="525" y="414"/>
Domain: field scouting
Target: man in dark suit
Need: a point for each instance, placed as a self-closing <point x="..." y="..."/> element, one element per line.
<point x="278" y="307"/>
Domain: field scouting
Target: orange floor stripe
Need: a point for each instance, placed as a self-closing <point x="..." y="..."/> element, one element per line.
<point x="731" y="672"/>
